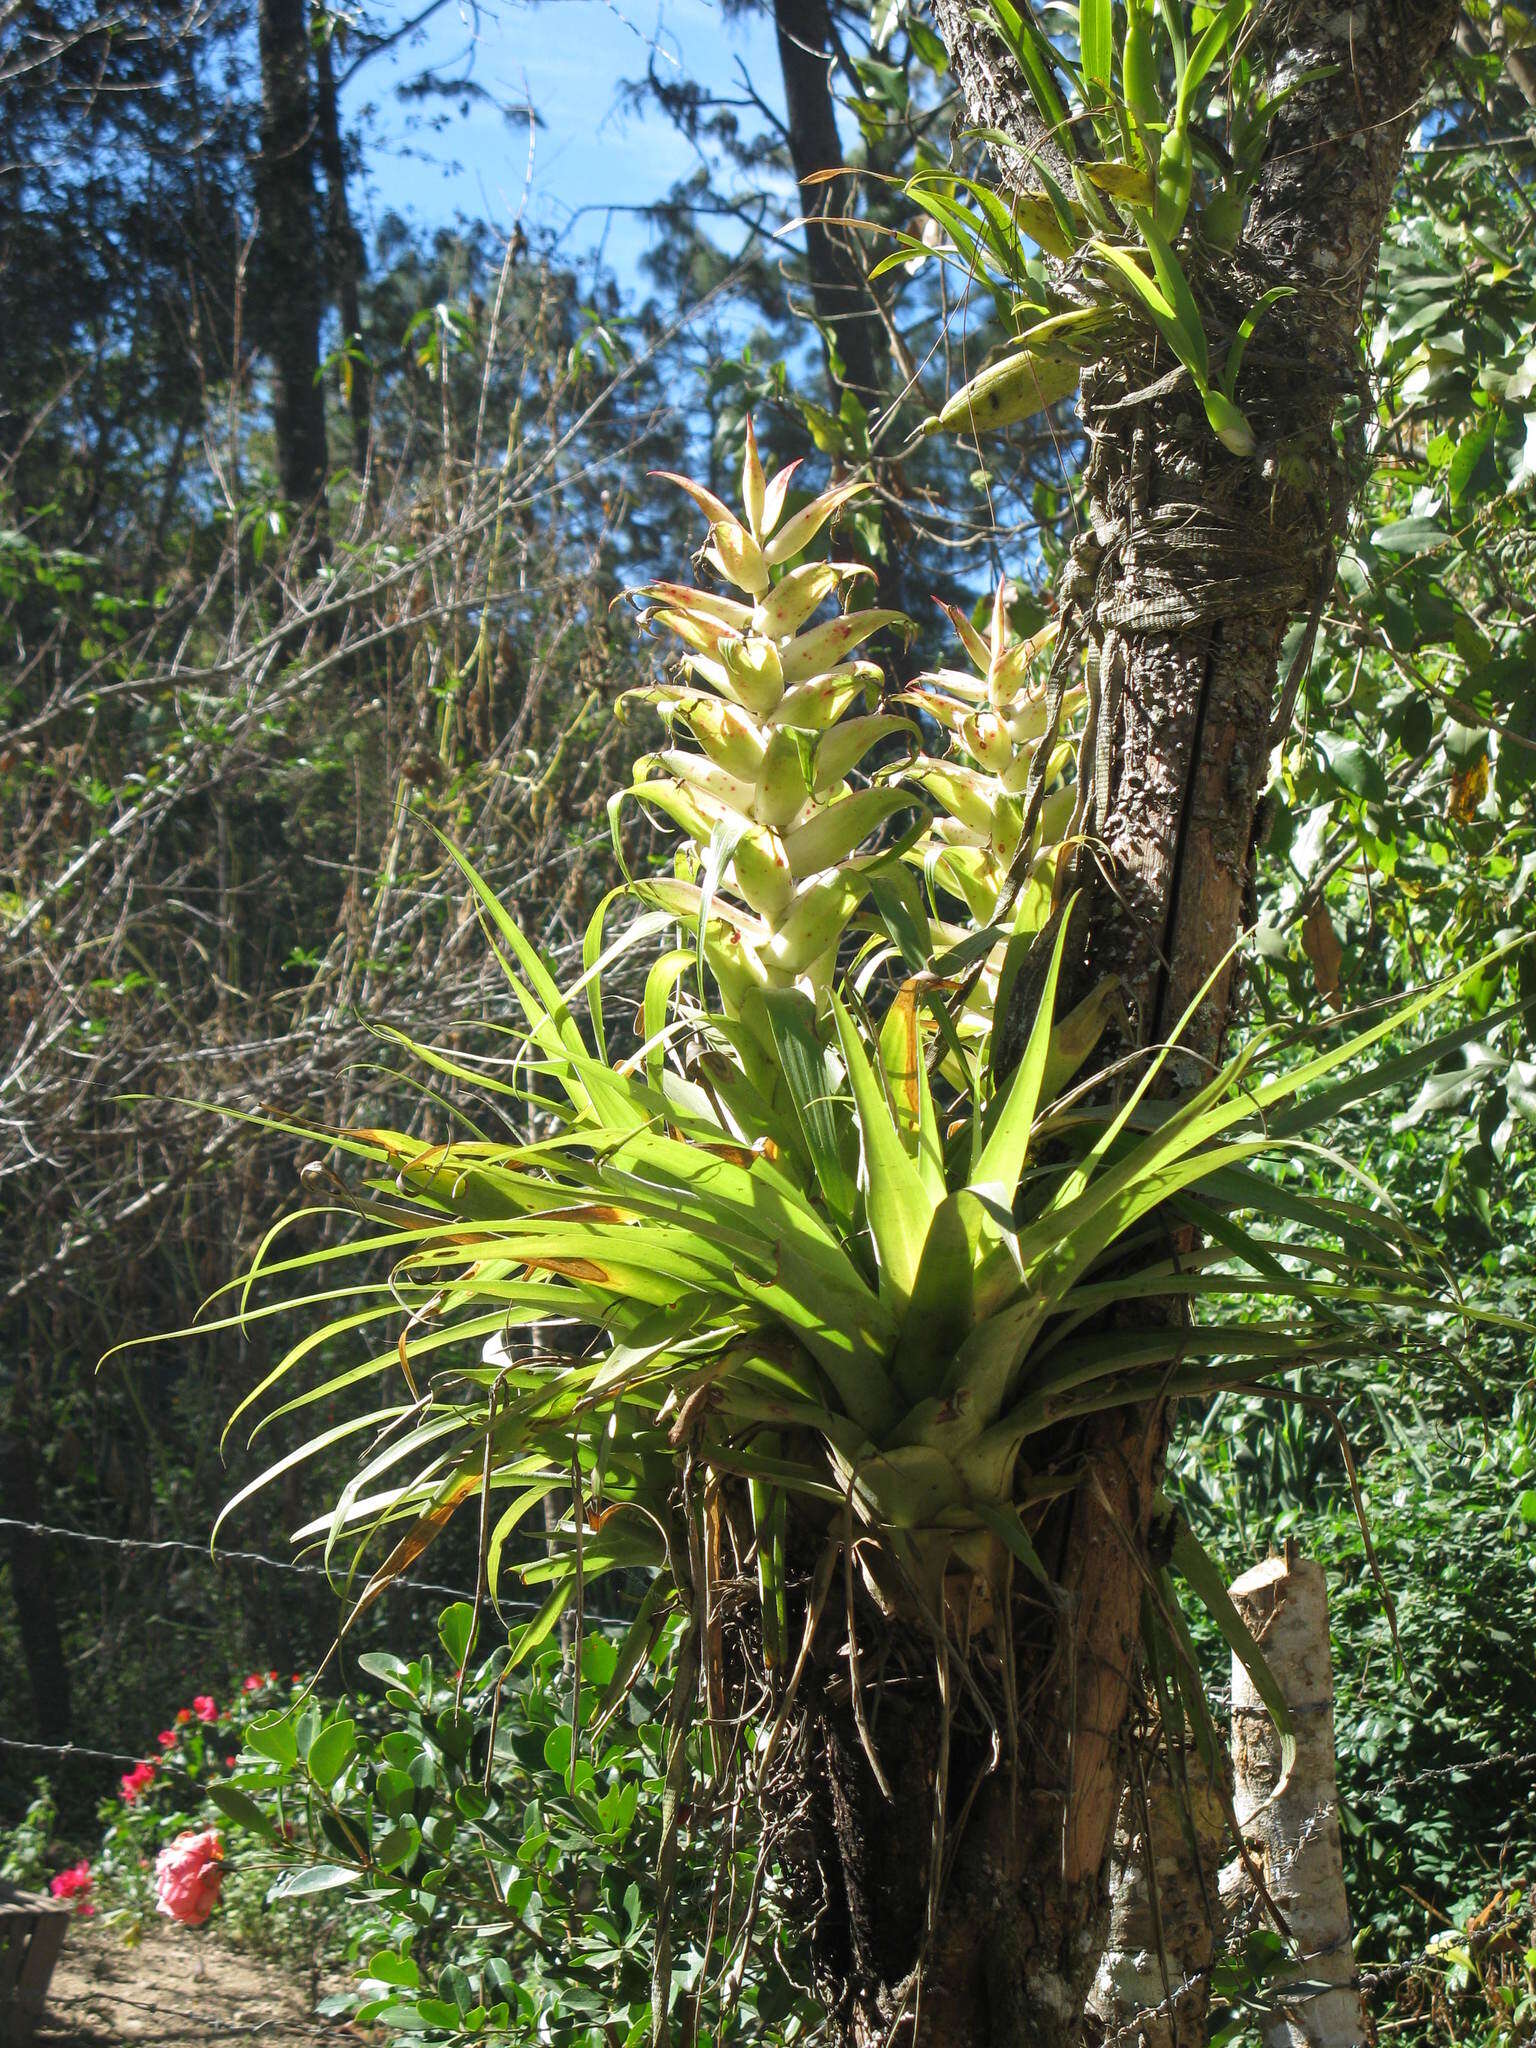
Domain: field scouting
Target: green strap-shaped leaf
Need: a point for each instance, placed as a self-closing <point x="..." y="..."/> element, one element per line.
<point x="1213" y="41"/>
<point x="1175" y="288"/>
<point x="1095" y="31"/>
<point x="1038" y="60"/>
<point x="803" y="1061"/>
<point x="903" y="1061"/>
<point x="1199" y="1571"/>
<point x="1007" y="1146"/>
<point x="896" y="1202"/>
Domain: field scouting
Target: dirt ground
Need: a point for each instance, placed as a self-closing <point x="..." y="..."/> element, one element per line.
<point x="178" y="1985"/>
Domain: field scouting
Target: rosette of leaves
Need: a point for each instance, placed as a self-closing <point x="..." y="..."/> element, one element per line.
<point x="860" y="1307"/>
<point x="778" y="859"/>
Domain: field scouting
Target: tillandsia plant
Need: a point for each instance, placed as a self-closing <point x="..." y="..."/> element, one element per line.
<point x="773" y="871"/>
<point x="827" y="1350"/>
<point x="797" y="1310"/>
<point x="1128" y="157"/>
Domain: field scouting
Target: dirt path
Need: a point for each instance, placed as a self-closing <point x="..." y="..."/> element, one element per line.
<point x="178" y="1985"/>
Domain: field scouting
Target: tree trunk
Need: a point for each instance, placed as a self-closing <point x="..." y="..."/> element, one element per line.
<point x="1196" y="564"/>
<point x="1153" y="1988"/>
<point x="290" y="267"/>
<point x="37" y="1614"/>
<point x="1295" y="1838"/>
<point x="344" y="253"/>
<point x="840" y="291"/>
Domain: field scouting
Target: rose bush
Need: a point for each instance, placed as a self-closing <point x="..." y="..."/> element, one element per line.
<point x="75" y="1883"/>
<point x="189" y="1873"/>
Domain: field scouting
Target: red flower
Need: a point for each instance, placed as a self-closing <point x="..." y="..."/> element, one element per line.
<point x="230" y="1762"/>
<point x="188" y="1875"/>
<point x="166" y="1738"/>
<point x="136" y="1782"/>
<point x="204" y="1708"/>
<point x="183" y="1716"/>
<point x="73" y="1884"/>
<point x="254" y="1683"/>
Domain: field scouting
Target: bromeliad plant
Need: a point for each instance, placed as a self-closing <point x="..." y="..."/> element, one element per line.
<point x="1128" y="158"/>
<point x="809" y="1282"/>
<point x="773" y="872"/>
<point x="862" y="1310"/>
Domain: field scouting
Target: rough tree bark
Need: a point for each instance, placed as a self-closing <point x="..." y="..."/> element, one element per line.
<point x="840" y="292"/>
<point x="1196" y="565"/>
<point x="1153" y="1988"/>
<point x="290" y="263"/>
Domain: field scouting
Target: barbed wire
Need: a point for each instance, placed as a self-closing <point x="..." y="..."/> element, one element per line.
<point x="163" y="1767"/>
<point x="212" y="1553"/>
<point x="1525" y="1759"/>
<point x="1126" y="2030"/>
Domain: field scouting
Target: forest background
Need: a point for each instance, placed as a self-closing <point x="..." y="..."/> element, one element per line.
<point x="314" y="509"/>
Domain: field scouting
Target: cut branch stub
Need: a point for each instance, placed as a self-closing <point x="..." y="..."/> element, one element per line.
<point x="1292" y="1825"/>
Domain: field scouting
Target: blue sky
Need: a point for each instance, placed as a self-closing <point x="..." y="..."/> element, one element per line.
<point x="431" y="161"/>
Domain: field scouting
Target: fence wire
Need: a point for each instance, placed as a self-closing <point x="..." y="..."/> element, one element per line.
<point x="216" y="1553"/>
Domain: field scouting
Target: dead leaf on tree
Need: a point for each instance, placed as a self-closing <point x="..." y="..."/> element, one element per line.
<point x="1467" y="792"/>
<point x="1320" y="943"/>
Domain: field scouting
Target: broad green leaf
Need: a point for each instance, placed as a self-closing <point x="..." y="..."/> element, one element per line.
<point x="896" y="1201"/>
<point x="1007" y="1145"/>
<point x="311" y="1879"/>
<point x="331" y="1751"/>
<point x="243" y="1810"/>
<point x="1416" y="536"/>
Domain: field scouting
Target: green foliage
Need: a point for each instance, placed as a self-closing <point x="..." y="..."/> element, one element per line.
<point x="1401" y="823"/>
<point x="491" y="1883"/>
<point x="1116" y="171"/>
<point x="25" y="1862"/>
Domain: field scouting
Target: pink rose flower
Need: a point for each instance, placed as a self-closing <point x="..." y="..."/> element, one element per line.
<point x="166" y="1738"/>
<point x="188" y="1874"/>
<point x="73" y="1884"/>
<point x="204" y="1707"/>
<point x="136" y="1782"/>
<point x="253" y="1683"/>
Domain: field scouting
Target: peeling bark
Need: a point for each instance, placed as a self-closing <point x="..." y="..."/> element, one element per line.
<point x="1153" y="1988"/>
